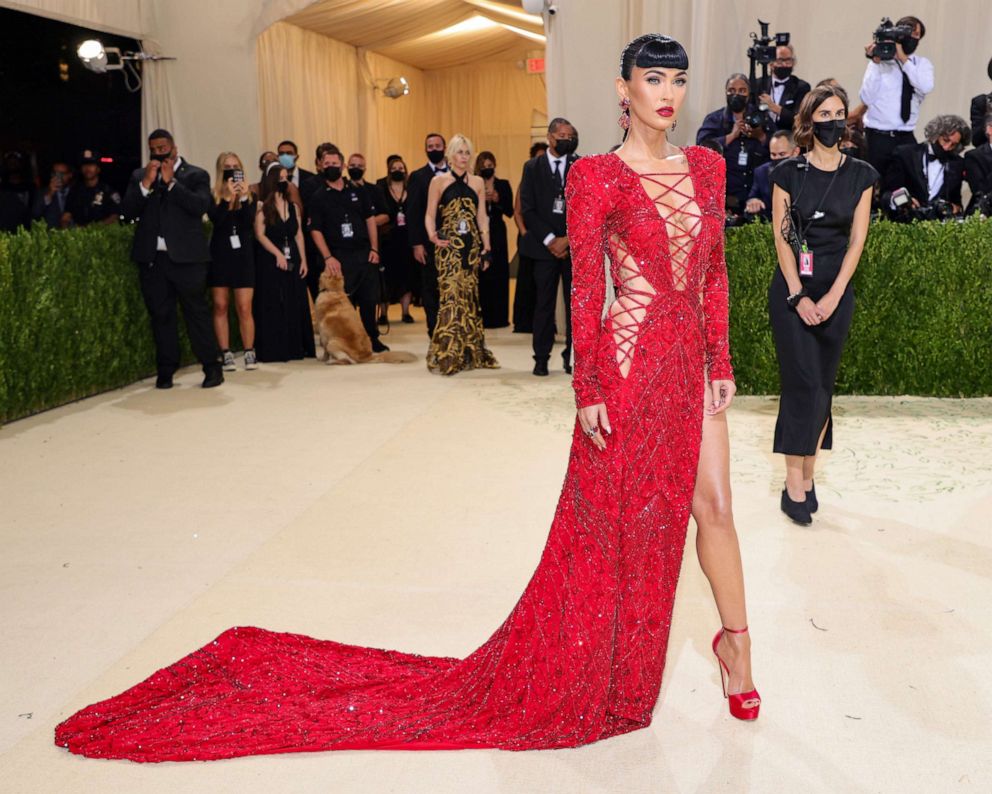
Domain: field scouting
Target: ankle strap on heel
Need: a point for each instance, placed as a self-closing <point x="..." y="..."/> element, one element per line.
<point x="735" y="631"/>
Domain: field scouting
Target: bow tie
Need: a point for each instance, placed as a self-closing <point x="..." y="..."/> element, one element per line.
<point x="779" y="82"/>
<point x="441" y="169"/>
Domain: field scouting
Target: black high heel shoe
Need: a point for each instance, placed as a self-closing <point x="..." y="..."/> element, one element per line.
<point x="797" y="511"/>
<point x="811" y="503"/>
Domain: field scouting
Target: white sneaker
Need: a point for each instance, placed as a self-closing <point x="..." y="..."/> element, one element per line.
<point x="250" y="361"/>
<point x="229" y="365"/>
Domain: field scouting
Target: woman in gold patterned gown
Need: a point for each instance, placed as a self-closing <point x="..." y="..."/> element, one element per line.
<point x="462" y="247"/>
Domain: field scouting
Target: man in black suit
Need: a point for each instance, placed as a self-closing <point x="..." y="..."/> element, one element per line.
<point x="416" y="202"/>
<point x="782" y="91"/>
<point x="978" y="172"/>
<point x="289" y="155"/>
<point x="929" y="171"/>
<point x="542" y="202"/>
<point x="168" y="198"/>
<point x="781" y="146"/>
<point x="981" y="106"/>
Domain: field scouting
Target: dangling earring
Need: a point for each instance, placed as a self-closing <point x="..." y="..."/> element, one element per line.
<point x="624" y="120"/>
<point x="674" y="125"/>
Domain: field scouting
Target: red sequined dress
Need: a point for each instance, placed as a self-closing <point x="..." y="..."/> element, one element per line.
<point x="580" y="657"/>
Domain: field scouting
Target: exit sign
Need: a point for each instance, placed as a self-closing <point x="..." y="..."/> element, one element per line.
<point x="535" y="66"/>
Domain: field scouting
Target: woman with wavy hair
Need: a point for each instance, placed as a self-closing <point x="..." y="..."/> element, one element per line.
<point x="821" y="204"/>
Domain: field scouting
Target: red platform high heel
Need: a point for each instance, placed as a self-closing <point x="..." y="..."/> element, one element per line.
<point x="743" y="705"/>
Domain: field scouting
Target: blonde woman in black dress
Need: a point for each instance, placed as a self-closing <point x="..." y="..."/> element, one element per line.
<point x="462" y="249"/>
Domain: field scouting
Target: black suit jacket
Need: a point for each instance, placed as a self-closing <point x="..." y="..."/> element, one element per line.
<point x="978" y="172"/>
<point x="906" y="170"/>
<point x="793" y="93"/>
<point x="981" y="105"/>
<point x="537" y="195"/>
<point x="176" y="215"/>
<point x="416" y="205"/>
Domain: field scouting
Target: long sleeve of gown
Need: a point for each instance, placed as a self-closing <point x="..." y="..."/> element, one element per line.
<point x="586" y="208"/>
<point x="716" y="302"/>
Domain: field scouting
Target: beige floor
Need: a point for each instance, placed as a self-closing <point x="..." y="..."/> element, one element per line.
<point x="385" y="506"/>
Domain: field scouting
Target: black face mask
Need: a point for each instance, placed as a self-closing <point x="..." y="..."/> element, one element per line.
<point x="782" y="72"/>
<point x="356" y="173"/>
<point x="332" y="173"/>
<point x="397" y="176"/>
<point x="565" y="146"/>
<point x="487" y="173"/>
<point x="829" y="132"/>
<point x="909" y="45"/>
<point x="161" y="157"/>
<point x="283" y="186"/>
<point x="736" y="102"/>
<point x="435" y="156"/>
<point x="941" y="153"/>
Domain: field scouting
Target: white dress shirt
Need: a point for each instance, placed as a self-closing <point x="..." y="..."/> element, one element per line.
<point x="561" y="159"/>
<point x="934" y="169"/>
<point x="881" y="91"/>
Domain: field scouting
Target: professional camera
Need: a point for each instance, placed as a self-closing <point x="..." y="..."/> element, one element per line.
<point x="983" y="204"/>
<point x="762" y="51"/>
<point x="885" y="36"/>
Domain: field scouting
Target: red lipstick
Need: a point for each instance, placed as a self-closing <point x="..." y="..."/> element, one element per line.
<point x="666" y="112"/>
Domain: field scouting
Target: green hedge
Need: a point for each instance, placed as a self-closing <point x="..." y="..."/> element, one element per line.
<point x="72" y="322"/>
<point x="923" y="312"/>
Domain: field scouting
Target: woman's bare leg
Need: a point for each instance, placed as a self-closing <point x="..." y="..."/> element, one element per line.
<point x="220" y="317"/>
<point x="809" y="462"/>
<point x="717" y="548"/>
<point x="246" y="321"/>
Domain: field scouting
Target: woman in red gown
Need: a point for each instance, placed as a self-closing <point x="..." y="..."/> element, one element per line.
<point x="580" y="657"/>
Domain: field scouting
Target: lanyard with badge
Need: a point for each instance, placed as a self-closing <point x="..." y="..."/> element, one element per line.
<point x="797" y="233"/>
<point x="558" y="206"/>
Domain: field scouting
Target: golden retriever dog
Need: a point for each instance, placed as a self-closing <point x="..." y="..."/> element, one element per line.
<point x="342" y="338"/>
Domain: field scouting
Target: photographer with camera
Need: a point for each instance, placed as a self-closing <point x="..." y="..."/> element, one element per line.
<point x="744" y="138"/>
<point x="895" y="83"/>
<point x="981" y="106"/>
<point x="924" y="179"/>
<point x="782" y="91"/>
<point x="978" y="173"/>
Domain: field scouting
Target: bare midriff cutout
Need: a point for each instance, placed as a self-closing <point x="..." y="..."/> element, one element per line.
<point x="674" y="198"/>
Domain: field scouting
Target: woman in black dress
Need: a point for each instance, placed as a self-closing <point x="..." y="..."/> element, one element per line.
<point x="821" y="202"/>
<point x="281" y="306"/>
<point x="402" y="271"/>
<point x="494" y="282"/>
<point x="232" y="260"/>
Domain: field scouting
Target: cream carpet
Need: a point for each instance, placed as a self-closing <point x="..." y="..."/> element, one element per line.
<point x="385" y="506"/>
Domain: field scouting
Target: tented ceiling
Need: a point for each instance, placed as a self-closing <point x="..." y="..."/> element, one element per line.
<point x="428" y="34"/>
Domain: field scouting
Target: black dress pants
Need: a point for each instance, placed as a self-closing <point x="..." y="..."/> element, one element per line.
<point x="546" y="275"/>
<point x="429" y="295"/>
<point x="523" y="296"/>
<point x="165" y="283"/>
<point x="882" y="144"/>
<point x="361" y="282"/>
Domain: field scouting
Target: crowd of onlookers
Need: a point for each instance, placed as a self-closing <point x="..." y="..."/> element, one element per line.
<point x="918" y="180"/>
<point x="277" y="226"/>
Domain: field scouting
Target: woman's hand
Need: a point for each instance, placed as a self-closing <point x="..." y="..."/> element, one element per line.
<point x="593" y="417"/>
<point x="333" y="265"/>
<point x="721" y="395"/>
<point x="808" y="312"/>
<point x="303" y="269"/>
<point x="281" y="262"/>
<point x="827" y="305"/>
<point x="373" y="257"/>
<point x="440" y="242"/>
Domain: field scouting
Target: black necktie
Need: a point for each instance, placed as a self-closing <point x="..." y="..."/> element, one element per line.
<point x="558" y="182"/>
<point x="907" y="98"/>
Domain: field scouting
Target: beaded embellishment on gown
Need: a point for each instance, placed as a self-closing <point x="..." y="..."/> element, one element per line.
<point x="581" y="655"/>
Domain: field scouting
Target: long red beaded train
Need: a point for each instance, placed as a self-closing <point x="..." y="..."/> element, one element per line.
<point x="580" y="658"/>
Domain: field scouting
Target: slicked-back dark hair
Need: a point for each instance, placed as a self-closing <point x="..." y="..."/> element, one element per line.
<point x="557" y="121"/>
<point x="652" y="49"/>
<point x="160" y="133"/>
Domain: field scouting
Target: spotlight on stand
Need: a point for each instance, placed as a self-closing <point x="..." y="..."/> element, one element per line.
<point x="95" y="58"/>
<point x="396" y="87"/>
